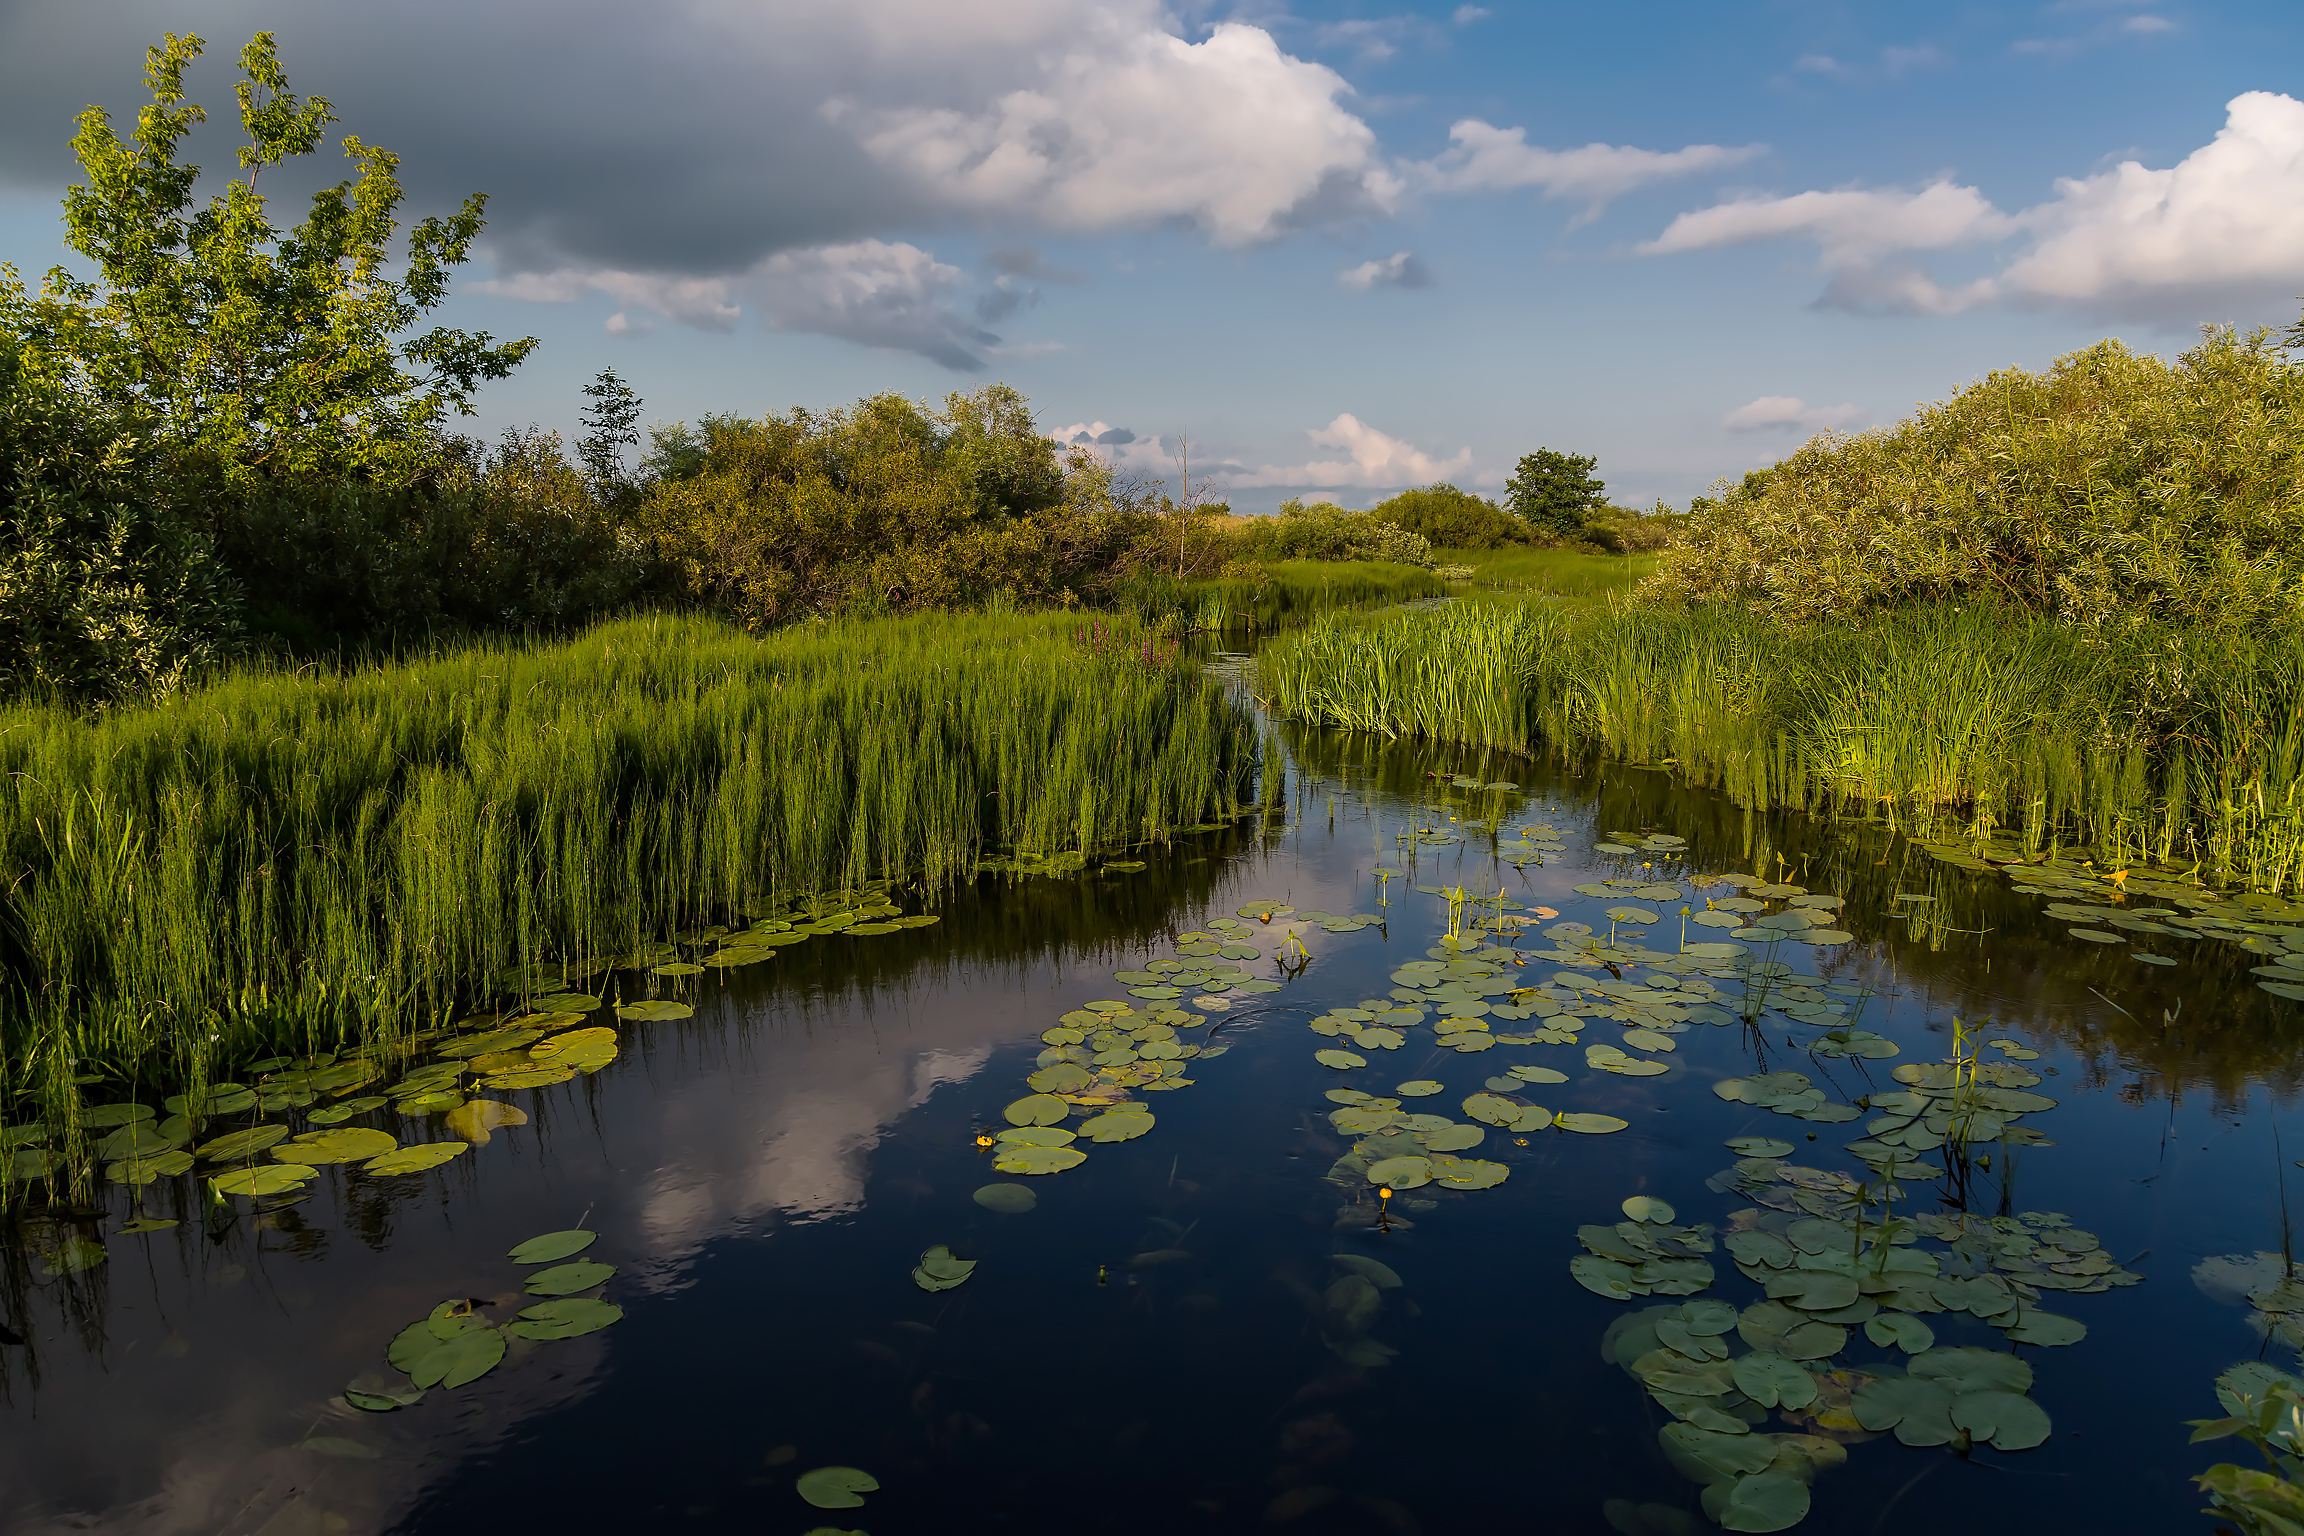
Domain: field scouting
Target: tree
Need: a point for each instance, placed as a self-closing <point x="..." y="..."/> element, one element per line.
<point x="610" y="421"/>
<point x="1553" y="492"/>
<point x="1449" y="518"/>
<point x="255" y="353"/>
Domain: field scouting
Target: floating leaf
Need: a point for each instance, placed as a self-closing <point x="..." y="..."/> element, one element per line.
<point x="276" y="1178"/>
<point x="416" y="1159"/>
<point x="103" y="1117"/>
<point x="1919" y="1410"/>
<point x="350" y="1144"/>
<point x="675" y="968"/>
<point x="239" y="1144"/>
<point x="377" y="1392"/>
<point x="1118" y="1125"/>
<point x="568" y="1279"/>
<point x="1590" y="1125"/>
<point x="1342" y="1061"/>
<point x="566" y="1002"/>
<point x="1902" y="1330"/>
<point x="1759" y="1146"/>
<point x="2046" y="1328"/>
<point x="553" y="1246"/>
<point x="1401" y="1172"/>
<point x="1452" y="1138"/>
<point x="1039" y="1109"/>
<point x="1421" y="1088"/>
<point x="1967" y="1369"/>
<point x="656" y="1011"/>
<point x="568" y="1318"/>
<point x="466" y="1357"/>
<point x="2010" y="1420"/>
<point x="1643" y="1208"/>
<point x="836" y="1487"/>
<point x="1007" y="1199"/>
<point x="585" y="1050"/>
<point x="474" y="1119"/>
<point x="1765" y="1501"/>
<point x="1037" y="1160"/>
<point x="1773" y="1381"/>
<point x="1064" y="1077"/>
<point x="1468" y="1173"/>
<point x="1038" y="1136"/>
<point x="1604" y="1277"/>
<point x="1538" y="1075"/>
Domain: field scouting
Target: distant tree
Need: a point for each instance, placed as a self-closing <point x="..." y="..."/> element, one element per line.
<point x="1552" y="492"/>
<point x="1449" y="518"/>
<point x="252" y="351"/>
<point x="610" y="422"/>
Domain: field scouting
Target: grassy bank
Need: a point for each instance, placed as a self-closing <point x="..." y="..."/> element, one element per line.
<point x="2150" y="744"/>
<point x="1553" y="572"/>
<point x="283" y="861"/>
<point x="1280" y="594"/>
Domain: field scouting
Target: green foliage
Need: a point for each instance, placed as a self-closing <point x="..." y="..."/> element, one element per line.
<point x="105" y="591"/>
<point x="1325" y="531"/>
<point x="297" y="860"/>
<point x="249" y="351"/>
<point x="2152" y="744"/>
<point x="1558" y="572"/>
<point x="881" y="507"/>
<point x="609" y="416"/>
<point x="2111" y="489"/>
<point x="1444" y="515"/>
<point x="1554" y="493"/>
<point x="2264" y="1407"/>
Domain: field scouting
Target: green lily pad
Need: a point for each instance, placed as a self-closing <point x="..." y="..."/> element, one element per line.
<point x="1468" y="1172"/>
<point x="337" y="1113"/>
<point x="1590" y="1125"/>
<point x="1812" y="1341"/>
<point x="1064" y="1077"/>
<point x="836" y="1487"/>
<point x="1037" y="1160"/>
<point x="2010" y="1420"/>
<point x="377" y="1392"/>
<point x="938" y="1270"/>
<point x="1759" y="1146"/>
<point x="1643" y="1208"/>
<point x="2046" y="1328"/>
<point x="1538" y="1075"/>
<point x="568" y="1318"/>
<point x="1919" y="1410"/>
<point x="1007" y="1199"/>
<point x="104" y="1117"/>
<point x="568" y="1279"/>
<point x="466" y="1357"/>
<point x="656" y="1011"/>
<point x="1039" y="1109"/>
<point x="348" y="1144"/>
<point x="271" y="1179"/>
<point x="566" y="1002"/>
<point x="1342" y="1061"/>
<point x="1902" y="1330"/>
<point x="1401" y="1172"/>
<point x="1037" y="1136"/>
<point x="1765" y="1501"/>
<point x="416" y="1159"/>
<point x="1419" y="1088"/>
<point x="1967" y="1369"/>
<point x="552" y="1246"/>
<point x="1452" y="1138"/>
<point x="1773" y="1381"/>
<point x="1118" y="1125"/>
<point x="1604" y="1277"/>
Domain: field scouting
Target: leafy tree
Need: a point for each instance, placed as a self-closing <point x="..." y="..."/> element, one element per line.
<point x="610" y="422"/>
<point x="1449" y="518"/>
<point x="253" y="353"/>
<point x="1553" y="492"/>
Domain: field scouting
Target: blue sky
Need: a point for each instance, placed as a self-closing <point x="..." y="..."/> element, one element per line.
<point x="1346" y="248"/>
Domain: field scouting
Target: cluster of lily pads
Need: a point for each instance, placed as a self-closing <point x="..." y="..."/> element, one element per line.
<point x="457" y="1344"/>
<point x="2127" y="906"/>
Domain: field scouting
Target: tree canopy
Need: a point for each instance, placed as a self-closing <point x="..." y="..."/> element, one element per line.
<point x="1554" y="492"/>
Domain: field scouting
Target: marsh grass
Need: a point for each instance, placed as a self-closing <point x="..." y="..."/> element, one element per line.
<point x="1965" y="721"/>
<point x="1566" y="573"/>
<point x="287" y="862"/>
<point x="1279" y="595"/>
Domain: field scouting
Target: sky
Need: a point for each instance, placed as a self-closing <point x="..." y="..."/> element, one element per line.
<point x="1330" y="250"/>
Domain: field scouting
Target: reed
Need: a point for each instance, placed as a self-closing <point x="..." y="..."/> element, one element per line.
<point x="2148" y="744"/>
<point x="295" y="861"/>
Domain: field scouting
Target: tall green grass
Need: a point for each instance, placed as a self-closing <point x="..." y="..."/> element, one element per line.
<point x="290" y="861"/>
<point x="1571" y="573"/>
<point x="1291" y="592"/>
<point x="1965" y="720"/>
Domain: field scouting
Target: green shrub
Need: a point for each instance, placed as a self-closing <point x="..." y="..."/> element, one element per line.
<point x="2111" y="487"/>
<point x="1449" y="518"/>
<point x="1325" y="531"/>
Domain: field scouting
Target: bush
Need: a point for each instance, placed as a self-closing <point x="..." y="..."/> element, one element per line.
<point x="1448" y="518"/>
<point x="1325" y="531"/>
<point x="1629" y="531"/>
<point x="2110" y="487"/>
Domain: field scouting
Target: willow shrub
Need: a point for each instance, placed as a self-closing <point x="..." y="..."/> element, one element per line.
<point x="300" y="861"/>
<point x="2113" y="489"/>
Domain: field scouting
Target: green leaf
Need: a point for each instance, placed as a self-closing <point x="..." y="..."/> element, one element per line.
<point x="1920" y="1411"/>
<point x="1117" y="1125"/>
<point x="656" y="1011"/>
<point x="552" y="1246"/>
<point x="269" y="1180"/>
<point x="1967" y="1369"/>
<point x="464" y="1358"/>
<point x="1008" y="1199"/>
<point x="568" y="1279"/>
<point x="1034" y="1161"/>
<point x="1765" y="1501"/>
<point x="1773" y="1381"/>
<point x="1038" y="1109"/>
<point x="568" y="1318"/>
<point x="2010" y="1420"/>
<point x="1644" y="1208"/>
<point x="417" y="1159"/>
<point x="1902" y="1330"/>
<point x="836" y="1487"/>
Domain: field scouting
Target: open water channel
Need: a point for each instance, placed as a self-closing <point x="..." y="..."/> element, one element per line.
<point x="1216" y="1322"/>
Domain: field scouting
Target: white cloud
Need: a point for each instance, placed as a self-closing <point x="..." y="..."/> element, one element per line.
<point x="1372" y="459"/>
<point x="1128" y="125"/>
<point x="2144" y="26"/>
<point x="702" y="302"/>
<point x="1821" y="64"/>
<point x="1485" y="158"/>
<point x="1789" y="413"/>
<point x="1468" y="14"/>
<point x="1401" y="269"/>
<point x="622" y="324"/>
<point x="881" y="294"/>
<point x="2223" y="229"/>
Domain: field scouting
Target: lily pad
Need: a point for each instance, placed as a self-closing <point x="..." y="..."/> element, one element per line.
<point x="2046" y="1328"/>
<point x="1401" y="1172"/>
<point x="655" y="1011"/>
<point x="553" y="1246"/>
<point x="1007" y="1199"/>
<point x="465" y="1358"/>
<point x="938" y="1270"/>
<point x="568" y="1279"/>
<point x="1759" y="1146"/>
<point x="1420" y="1088"/>
<point x="416" y="1159"/>
<point x="1643" y="1208"/>
<point x="1538" y="1075"/>
<point x="1765" y="1501"/>
<point x="1039" y="1109"/>
<point x="2010" y="1420"/>
<point x="1812" y="1341"/>
<point x="272" y="1179"/>
<point x="1037" y="1160"/>
<point x="1118" y="1125"/>
<point x="1773" y="1381"/>
<point x="348" y="1144"/>
<point x="1919" y="1410"/>
<point x="836" y="1487"/>
<point x="1967" y="1369"/>
<point x="1342" y="1061"/>
<point x="1902" y="1330"/>
<point x="568" y="1318"/>
<point x="1590" y="1125"/>
<point x="376" y="1392"/>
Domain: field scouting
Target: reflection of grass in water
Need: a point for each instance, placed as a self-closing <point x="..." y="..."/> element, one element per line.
<point x="281" y="861"/>
<point x="2148" y="745"/>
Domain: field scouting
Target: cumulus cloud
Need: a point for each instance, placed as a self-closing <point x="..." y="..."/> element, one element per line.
<point x="1468" y="14"/>
<point x="1789" y="413"/>
<point x="1401" y="269"/>
<point x="2222" y="229"/>
<point x="1372" y="458"/>
<point x="876" y="293"/>
<point x="1133" y="126"/>
<point x="1484" y="158"/>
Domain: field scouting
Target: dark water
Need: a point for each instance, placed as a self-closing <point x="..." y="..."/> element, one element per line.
<point x="766" y="1173"/>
